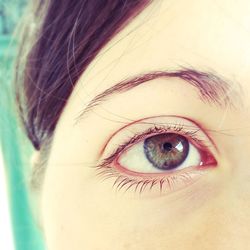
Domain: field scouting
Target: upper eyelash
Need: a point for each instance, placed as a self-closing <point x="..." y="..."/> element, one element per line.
<point x="178" y="128"/>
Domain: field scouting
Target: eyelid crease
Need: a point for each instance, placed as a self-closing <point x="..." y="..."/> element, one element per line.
<point x="144" y="121"/>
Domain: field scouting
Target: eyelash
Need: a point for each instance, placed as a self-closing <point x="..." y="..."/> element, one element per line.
<point x="125" y="181"/>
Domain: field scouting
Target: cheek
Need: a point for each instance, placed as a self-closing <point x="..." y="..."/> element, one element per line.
<point x="82" y="212"/>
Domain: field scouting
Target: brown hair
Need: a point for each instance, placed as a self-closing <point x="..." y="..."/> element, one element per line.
<point x="62" y="38"/>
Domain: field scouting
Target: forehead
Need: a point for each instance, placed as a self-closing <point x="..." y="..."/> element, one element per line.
<point x="205" y="35"/>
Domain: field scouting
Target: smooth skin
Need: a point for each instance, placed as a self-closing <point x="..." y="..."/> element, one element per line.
<point x="81" y="211"/>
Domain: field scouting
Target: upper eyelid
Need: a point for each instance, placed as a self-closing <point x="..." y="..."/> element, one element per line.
<point x="145" y="121"/>
<point x="137" y="139"/>
<point x="158" y="130"/>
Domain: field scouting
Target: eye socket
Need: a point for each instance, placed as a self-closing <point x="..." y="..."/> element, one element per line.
<point x="170" y="154"/>
<point x="161" y="153"/>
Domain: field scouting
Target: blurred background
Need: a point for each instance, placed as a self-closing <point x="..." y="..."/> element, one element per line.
<point x="17" y="228"/>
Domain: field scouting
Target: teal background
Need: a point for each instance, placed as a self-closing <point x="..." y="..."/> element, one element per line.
<point x="13" y="142"/>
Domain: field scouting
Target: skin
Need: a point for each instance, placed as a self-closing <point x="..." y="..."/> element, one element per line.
<point x="81" y="211"/>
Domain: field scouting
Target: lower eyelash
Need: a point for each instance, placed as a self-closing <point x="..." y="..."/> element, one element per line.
<point x="165" y="183"/>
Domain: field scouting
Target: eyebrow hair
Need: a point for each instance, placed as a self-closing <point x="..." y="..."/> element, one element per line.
<point x="212" y="88"/>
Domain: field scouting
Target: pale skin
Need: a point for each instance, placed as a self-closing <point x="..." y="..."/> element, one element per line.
<point x="81" y="211"/>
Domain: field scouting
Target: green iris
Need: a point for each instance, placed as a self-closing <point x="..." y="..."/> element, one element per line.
<point x="166" y="151"/>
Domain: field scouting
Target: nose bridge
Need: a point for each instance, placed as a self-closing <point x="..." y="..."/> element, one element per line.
<point x="237" y="168"/>
<point x="238" y="176"/>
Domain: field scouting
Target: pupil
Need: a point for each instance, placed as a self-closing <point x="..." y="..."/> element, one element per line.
<point x="167" y="146"/>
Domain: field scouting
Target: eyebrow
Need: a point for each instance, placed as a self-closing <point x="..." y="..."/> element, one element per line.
<point x="212" y="88"/>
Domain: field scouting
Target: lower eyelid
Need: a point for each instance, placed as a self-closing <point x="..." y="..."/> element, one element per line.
<point x="120" y="169"/>
<point x="153" y="185"/>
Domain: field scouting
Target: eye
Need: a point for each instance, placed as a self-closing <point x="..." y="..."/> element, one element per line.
<point x="159" y="153"/>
